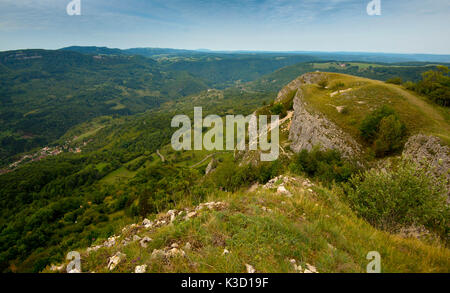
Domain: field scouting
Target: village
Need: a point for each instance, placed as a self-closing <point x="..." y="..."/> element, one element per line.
<point x="45" y="152"/>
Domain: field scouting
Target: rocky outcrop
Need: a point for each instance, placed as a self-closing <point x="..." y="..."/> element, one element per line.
<point x="309" y="129"/>
<point x="115" y="260"/>
<point x="211" y="166"/>
<point x="308" y="78"/>
<point x="429" y="152"/>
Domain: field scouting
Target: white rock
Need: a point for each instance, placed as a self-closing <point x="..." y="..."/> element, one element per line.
<point x="115" y="260"/>
<point x="250" y="269"/>
<point x="187" y="246"/>
<point x="175" y="252"/>
<point x="74" y="271"/>
<point x="93" y="248"/>
<point x="57" y="268"/>
<point x="144" y="241"/>
<point x="297" y="268"/>
<point x="311" y="268"/>
<point x="172" y="214"/>
<point x="110" y="242"/>
<point x="191" y="215"/>
<point x="282" y="190"/>
<point x="136" y="238"/>
<point x="147" y="223"/>
<point x="158" y="253"/>
<point x="225" y="252"/>
<point x="140" y="269"/>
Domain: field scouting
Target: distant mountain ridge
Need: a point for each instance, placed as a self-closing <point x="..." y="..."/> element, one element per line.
<point x="342" y="56"/>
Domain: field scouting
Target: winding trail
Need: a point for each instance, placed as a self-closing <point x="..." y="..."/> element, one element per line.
<point x="204" y="159"/>
<point x="161" y="156"/>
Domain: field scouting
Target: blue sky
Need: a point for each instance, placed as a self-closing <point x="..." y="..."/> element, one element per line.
<point x="405" y="26"/>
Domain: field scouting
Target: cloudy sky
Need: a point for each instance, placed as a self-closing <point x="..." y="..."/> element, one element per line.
<point x="405" y="26"/>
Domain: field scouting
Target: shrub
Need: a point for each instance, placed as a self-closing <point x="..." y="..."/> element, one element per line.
<point x="384" y="129"/>
<point x="370" y="124"/>
<point x="268" y="170"/>
<point x="323" y="83"/>
<point x="230" y="176"/>
<point x="327" y="166"/>
<point x="395" y="80"/>
<point x="278" y="109"/>
<point x="403" y="196"/>
<point x="435" y="84"/>
<point x="390" y="137"/>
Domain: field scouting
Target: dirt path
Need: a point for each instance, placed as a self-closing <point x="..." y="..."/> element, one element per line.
<point x="161" y="156"/>
<point x="271" y="126"/>
<point x="204" y="159"/>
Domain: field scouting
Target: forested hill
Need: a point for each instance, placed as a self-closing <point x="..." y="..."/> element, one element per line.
<point x="44" y="93"/>
<point x="218" y="69"/>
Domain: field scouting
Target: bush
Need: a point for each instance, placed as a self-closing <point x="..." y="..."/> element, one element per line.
<point x="384" y="129"/>
<point x="370" y="124"/>
<point x="435" y="84"/>
<point x="268" y="170"/>
<point x="327" y="166"/>
<point x="403" y="196"/>
<point x="231" y="177"/>
<point x="278" y="109"/>
<point x="323" y="83"/>
<point x="395" y="80"/>
<point x="390" y="137"/>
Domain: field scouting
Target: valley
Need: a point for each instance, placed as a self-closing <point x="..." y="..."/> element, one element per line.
<point x="317" y="206"/>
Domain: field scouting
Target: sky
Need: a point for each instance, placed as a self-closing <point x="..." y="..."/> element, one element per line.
<point x="404" y="26"/>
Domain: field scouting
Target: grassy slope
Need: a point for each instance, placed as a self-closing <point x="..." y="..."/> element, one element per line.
<point x="300" y="227"/>
<point x="311" y="227"/>
<point x="367" y="95"/>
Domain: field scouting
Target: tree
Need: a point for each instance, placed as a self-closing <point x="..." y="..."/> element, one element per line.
<point x="391" y="135"/>
<point x="436" y="85"/>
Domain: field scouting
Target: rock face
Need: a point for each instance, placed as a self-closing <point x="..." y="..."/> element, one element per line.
<point x="310" y="129"/>
<point x="428" y="151"/>
<point x="211" y="166"/>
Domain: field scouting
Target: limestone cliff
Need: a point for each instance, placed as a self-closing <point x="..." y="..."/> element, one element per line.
<point x="428" y="151"/>
<point x="310" y="129"/>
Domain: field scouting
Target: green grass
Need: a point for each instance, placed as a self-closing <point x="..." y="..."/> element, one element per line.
<point x="121" y="174"/>
<point x="311" y="227"/>
<point x="366" y="96"/>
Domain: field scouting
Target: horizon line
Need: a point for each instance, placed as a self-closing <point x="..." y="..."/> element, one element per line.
<point x="206" y="50"/>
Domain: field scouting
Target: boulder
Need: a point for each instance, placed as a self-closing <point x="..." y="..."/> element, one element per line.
<point x="115" y="260"/>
